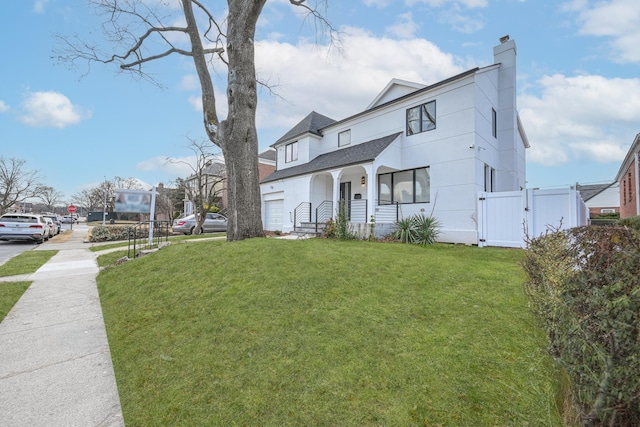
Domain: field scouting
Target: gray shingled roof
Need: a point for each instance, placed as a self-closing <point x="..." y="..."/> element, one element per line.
<point x="268" y="154"/>
<point x="310" y="124"/>
<point x="360" y="153"/>
<point x="589" y="191"/>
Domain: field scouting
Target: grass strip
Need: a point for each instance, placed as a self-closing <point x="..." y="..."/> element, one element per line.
<point x="10" y="293"/>
<point x="177" y="238"/>
<point x="25" y="263"/>
<point x="319" y="332"/>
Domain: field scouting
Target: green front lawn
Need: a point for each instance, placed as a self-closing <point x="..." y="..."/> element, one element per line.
<point x="26" y="263"/>
<point x="10" y="293"/>
<point x="317" y="332"/>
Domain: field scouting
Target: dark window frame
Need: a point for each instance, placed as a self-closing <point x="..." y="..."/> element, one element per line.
<point x="289" y="152"/>
<point x="421" y="120"/>
<point x="393" y="201"/>
<point x="494" y="122"/>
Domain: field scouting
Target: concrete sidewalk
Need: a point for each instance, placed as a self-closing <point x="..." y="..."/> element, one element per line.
<point x="55" y="365"/>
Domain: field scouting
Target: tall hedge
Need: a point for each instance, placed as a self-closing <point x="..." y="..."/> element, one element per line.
<point x="585" y="285"/>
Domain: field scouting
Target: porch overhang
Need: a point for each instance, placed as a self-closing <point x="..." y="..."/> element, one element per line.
<point x="356" y="154"/>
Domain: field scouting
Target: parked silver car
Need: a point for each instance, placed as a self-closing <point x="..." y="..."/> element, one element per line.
<point x="213" y="222"/>
<point x="57" y="223"/>
<point x="24" y="227"/>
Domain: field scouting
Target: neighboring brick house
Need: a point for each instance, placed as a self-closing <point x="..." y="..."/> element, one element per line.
<point x="600" y="198"/>
<point x="266" y="163"/>
<point x="215" y="172"/>
<point x="628" y="177"/>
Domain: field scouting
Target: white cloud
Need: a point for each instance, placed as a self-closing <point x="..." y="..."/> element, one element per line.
<point x="177" y="167"/>
<point x="315" y="78"/>
<point x="589" y="117"/>
<point x="377" y="3"/>
<point x="617" y="20"/>
<point x="459" y="21"/>
<point x="404" y="27"/>
<point x="470" y="4"/>
<point x="51" y="109"/>
<point x="3" y="107"/>
<point x="38" y="6"/>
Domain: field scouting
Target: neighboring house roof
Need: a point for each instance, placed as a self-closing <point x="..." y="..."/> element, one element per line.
<point x="589" y="191"/>
<point x="310" y="124"/>
<point x="268" y="154"/>
<point x="629" y="158"/>
<point x="360" y="153"/>
<point x="215" y="169"/>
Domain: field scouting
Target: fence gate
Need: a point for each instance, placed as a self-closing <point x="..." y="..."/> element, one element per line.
<point x="506" y="218"/>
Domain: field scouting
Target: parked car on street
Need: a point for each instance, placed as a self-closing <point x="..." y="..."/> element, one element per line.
<point x="69" y="219"/>
<point x="213" y="222"/>
<point x="56" y="221"/>
<point x="18" y="226"/>
<point x="51" y="225"/>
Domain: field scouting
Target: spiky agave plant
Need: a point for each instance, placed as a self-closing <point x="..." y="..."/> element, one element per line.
<point x="426" y="229"/>
<point x="404" y="230"/>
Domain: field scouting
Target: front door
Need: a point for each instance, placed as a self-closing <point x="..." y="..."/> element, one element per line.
<point x="345" y="198"/>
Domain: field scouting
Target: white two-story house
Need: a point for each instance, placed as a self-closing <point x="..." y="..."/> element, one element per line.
<point x="415" y="149"/>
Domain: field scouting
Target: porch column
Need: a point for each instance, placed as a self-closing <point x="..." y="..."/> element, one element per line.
<point x="336" y="192"/>
<point x="371" y="191"/>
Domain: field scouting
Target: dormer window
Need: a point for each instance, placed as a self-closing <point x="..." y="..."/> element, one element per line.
<point x="421" y="118"/>
<point x="344" y="138"/>
<point x="291" y="152"/>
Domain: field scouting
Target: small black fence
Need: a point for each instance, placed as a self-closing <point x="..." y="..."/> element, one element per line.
<point x="139" y="236"/>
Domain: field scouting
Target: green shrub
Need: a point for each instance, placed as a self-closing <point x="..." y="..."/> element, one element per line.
<point x="101" y="233"/>
<point x="585" y="285"/>
<point x="418" y="229"/>
<point x="343" y="230"/>
<point x="404" y="230"/>
<point x="631" y="222"/>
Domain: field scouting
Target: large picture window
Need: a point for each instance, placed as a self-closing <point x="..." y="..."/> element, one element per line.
<point x="291" y="152"/>
<point x="421" y="118"/>
<point x="409" y="186"/>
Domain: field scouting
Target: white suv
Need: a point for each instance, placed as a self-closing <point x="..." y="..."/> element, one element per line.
<point x="17" y="226"/>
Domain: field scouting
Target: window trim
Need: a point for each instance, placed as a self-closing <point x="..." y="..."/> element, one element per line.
<point x="289" y="150"/>
<point x="392" y="201"/>
<point x="420" y="119"/>
<point x="344" y="132"/>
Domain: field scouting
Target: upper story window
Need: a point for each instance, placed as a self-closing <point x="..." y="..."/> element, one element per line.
<point x="410" y="186"/>
<point x="344" y="138"/>
<point x="421" y="118"/>
<point x="494" y="123"/>
<point x="291" y="152"/>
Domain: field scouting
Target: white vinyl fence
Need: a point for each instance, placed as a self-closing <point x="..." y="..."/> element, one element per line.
<point x="506" y="218"/>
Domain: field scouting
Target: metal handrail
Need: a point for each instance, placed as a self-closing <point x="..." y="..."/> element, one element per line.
<point x="303" y="209"/>
<point x="139" y="236"/>
<point x="323" y="212"/>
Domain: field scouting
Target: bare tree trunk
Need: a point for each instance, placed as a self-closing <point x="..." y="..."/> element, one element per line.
<point x="239" y="140"/>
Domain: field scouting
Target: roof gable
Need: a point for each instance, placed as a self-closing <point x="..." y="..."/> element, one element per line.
<point x="310" y="124"/>
<point x="394" y="89"/>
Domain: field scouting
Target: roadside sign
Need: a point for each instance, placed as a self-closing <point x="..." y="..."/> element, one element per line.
<point x="71" y="209"/>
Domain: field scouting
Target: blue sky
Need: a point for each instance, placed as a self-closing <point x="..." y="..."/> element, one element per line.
<point x="578" y="82"/>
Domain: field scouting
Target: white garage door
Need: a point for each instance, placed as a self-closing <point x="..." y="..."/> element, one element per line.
<point x="273" y="210"/>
